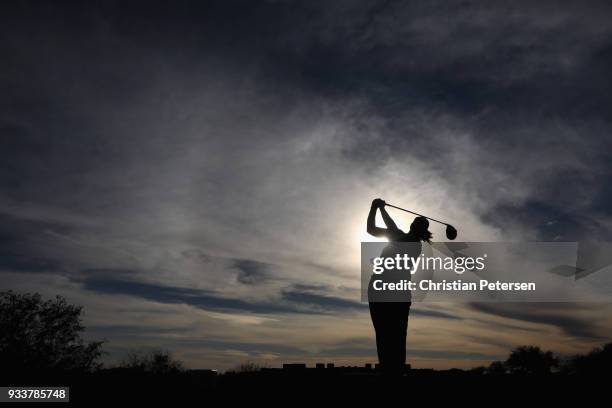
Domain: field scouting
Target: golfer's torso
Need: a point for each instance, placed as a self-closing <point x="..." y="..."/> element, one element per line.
<point x="394" y="276"/>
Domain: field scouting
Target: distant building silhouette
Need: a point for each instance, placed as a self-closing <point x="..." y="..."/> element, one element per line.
<point x="324" y="368"/>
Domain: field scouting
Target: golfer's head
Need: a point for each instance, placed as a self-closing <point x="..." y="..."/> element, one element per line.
<point x="420" y="228"/>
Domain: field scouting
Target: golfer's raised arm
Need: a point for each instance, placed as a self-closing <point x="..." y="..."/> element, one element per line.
<point x="387" y="219"/>
<point x="372" y="228"/>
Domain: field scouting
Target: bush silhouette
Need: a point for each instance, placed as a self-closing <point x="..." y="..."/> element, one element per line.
<point x="531" y="360"/>
<point x="43" y="335"/>
<point x="496" y="368"/>
<point x="247" y="367"/>
<point x="157" y="362"/>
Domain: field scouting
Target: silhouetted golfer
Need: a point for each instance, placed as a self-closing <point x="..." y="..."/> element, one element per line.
<point x="390" y="318"/>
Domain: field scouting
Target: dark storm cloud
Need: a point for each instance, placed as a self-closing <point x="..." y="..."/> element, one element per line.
<point x="199" y="298"/>
<point x="322" y="302"/>
<point x="24" y="238"/>
<point x="291" y="302"/>
<point x="26" y="263"/>
<point x="464" y="56"/>
<point x="135" y="331"/>
<point x="564" y="316"/>
<point x="251" y="272"/>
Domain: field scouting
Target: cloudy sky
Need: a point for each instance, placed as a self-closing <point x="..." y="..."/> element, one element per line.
<point x="197" y="174"/>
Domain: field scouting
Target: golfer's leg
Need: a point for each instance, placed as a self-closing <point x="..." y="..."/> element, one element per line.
<point x="400" y="325"/>
<point x="392" y="339"/>
<point x="377" y="314"/>
<point x="405" y="312"/>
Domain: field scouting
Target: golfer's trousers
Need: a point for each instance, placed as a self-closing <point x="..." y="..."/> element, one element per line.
<point x="390" y="321"/>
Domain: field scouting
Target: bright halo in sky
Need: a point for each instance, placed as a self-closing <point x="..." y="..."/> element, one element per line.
<point x="365" y="237"/>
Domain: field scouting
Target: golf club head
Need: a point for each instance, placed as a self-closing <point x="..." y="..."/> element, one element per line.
<point x="451" y="232"/>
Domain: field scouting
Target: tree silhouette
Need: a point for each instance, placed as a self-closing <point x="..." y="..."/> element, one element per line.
<point x="531" y="360"/>
<point x="597" y="362"/>
<point x="158" y="362"/>
<point x="43" y="335"/>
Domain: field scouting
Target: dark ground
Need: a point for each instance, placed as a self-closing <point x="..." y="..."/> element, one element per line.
<point x="200" y="387"/>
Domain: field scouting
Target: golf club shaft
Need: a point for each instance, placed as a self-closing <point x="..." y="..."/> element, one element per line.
<point x="412" y="212"/>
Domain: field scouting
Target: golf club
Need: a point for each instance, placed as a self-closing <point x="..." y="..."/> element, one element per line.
<point x="451" y="232"/>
